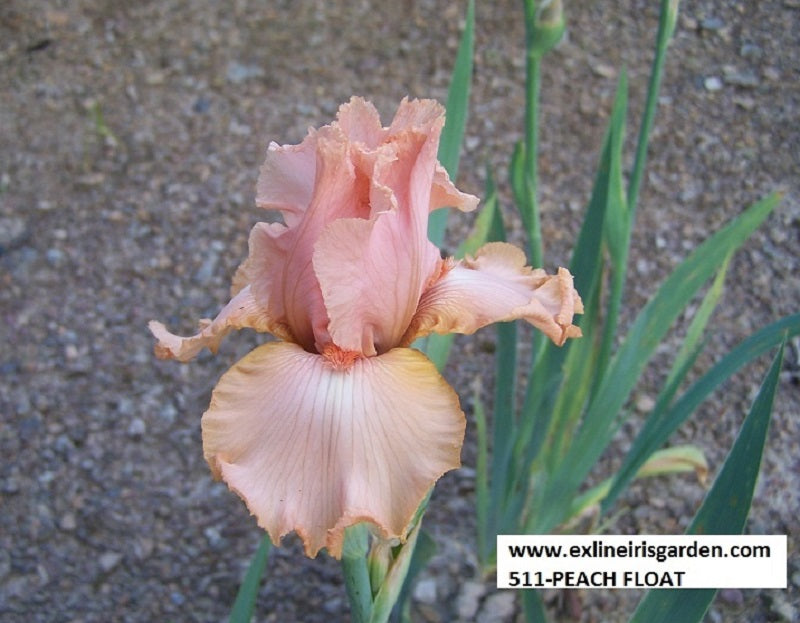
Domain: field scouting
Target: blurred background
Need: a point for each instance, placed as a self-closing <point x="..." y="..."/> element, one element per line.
<point x="132" y="134"/>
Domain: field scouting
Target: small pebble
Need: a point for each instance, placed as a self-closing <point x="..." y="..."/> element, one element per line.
<point x="109" y="560"/>
<point x="55" y="257"/>
<point x="137" y="428"/>
<point x="238" y="72"/>
<point x="469" y="599"/>
<point x="751" y="50"/>
<point x="13" y="231"/>
<point x="645" y="403"/>
<point x="740" y="78"/>
<point x="498" y="608"/>
<point x="712" y="23"/>
<point x="68" y="522"/>
<point x="732" y="596"/>
<point x="425" y="591"/>
<point x="712" y="83"/>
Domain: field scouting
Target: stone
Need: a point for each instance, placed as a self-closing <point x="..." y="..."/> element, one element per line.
<point x="239" y="72"/>
<point x="137" y="428"/>
<point x="68" y="522"/>
<point x="498" y="608"/>
<point x="469" y="599"/>
<point x="425" y="591"/>
<point x="739" y="78"/>
<point x="712" y="23"/>
<point x="13" y="231"/>
<point x="109" y="560"/>
<point x="645" y="403"/>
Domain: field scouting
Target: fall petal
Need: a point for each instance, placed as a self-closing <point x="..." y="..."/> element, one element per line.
<point x="496" y="286"/>
<point x="314" y="449"/>
<point x="242" y="312"/>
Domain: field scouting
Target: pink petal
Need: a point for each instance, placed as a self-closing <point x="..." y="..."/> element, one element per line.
<point x="314" y="448"/>
<point x="361" y="123"/>
<point x="286" y="179"/>
<point x="423" y="116"/>
<point x="242" y="312"/>
<point x="372" y="273"/>
<point x="445" y="195"/>
<point x="281" y="268"/>
<point x="496" y="286"/>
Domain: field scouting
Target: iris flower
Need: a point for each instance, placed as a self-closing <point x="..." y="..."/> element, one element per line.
<point x="340" y="421"/>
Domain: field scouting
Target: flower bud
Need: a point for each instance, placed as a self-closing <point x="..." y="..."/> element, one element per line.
<point x="545" y="26"/>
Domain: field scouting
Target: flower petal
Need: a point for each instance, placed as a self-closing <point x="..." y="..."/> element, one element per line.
<point x="372" y="273"/>
<point x="360" y="122"/>
<point x="315" y="449"/>
<point x="286" y="179"/>
<point x="371" y="277"/>
<point x="281" y="268"/>
<point x="242" y="312"/>
<point x="496" y="286"/>
<point x="445" y="195"/>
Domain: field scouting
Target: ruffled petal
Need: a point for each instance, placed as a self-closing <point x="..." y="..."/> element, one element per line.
<point x="315" y="448"/>
<point x="242" y="312"/>
<point x="444" y="194"/>
<point x="496" y="286"/>
<point x="361" y="123"/>
<point x="281" y="270"/>
<point x="286" y="179"/>
<point x="372" y="273"/>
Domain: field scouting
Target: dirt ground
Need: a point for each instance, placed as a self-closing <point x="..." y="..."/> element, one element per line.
<point x="132" y="134"/>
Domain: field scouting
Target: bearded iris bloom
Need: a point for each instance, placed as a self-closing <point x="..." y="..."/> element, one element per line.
<point x="340" y="421"/>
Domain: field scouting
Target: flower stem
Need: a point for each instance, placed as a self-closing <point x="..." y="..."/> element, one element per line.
<point x="356" y="573"/>
<point x="666" y="27"/>
<point x="533" y="81"/>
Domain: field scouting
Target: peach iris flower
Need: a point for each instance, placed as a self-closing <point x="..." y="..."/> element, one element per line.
<point x="340" y="421"/>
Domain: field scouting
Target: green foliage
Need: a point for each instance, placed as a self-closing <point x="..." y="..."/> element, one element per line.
<point x="456" y="123"/>
<point x="575" y="397"/>
<point x="543" y="449"/>
<point x="245" y="603"/>
<point x="725" y="509"/>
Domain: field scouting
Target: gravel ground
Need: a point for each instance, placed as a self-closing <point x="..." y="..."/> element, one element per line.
<point x="132" y="136"/>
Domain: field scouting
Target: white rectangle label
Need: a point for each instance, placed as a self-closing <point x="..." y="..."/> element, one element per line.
<point x="613" y="561"/>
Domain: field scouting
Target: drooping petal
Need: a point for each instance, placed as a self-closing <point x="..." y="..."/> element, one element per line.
<point x="496" y="286"/>
<point x="315" y="448"/>
<point x="242" y="312"/>
<point x="445" y="195"/>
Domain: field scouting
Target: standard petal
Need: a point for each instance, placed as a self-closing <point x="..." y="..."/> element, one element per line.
<point x="315" y="448"/>
<point x="496" y="286"/>
<point x="372" y="276"/>
<point x="243" y="312"/>
<point x="373" y="272"/>
<point x="286" y="179"/>
<point x="444" y="194"/>
<point x="360" y="122"/>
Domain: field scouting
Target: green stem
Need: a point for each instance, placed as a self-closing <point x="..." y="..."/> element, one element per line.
<point x="356" y="573"/>
<point x="666" y="26"/>
<point x="533" y="83"/>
